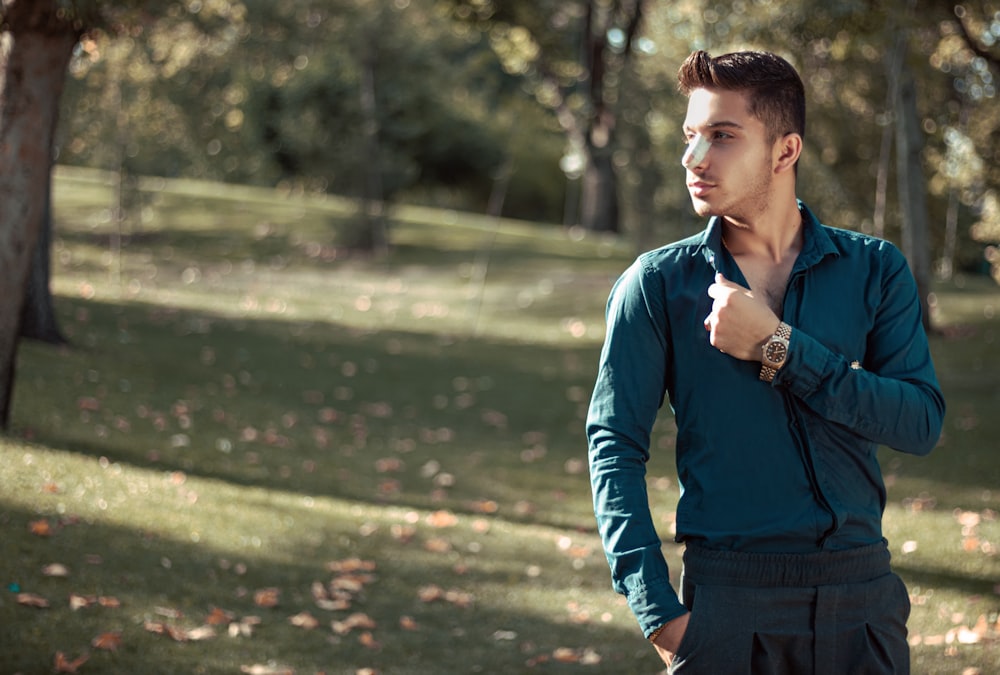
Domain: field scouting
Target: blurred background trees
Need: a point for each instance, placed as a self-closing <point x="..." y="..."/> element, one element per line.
<point x="553" y="111"/>
<point x="514" y="107"/>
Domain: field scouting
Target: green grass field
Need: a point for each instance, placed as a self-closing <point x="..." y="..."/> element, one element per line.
<point x="259" y="454"/>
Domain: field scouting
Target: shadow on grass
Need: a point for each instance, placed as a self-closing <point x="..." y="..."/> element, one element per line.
<point x="179" y="583"/>
<point x="386" y="417"/>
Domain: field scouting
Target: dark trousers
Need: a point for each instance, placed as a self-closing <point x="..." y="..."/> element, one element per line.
<point x="829" y="613"/>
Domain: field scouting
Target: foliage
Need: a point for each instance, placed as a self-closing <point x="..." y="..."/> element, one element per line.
<point x="270" y="96"/>
<point x="261" y="455"/>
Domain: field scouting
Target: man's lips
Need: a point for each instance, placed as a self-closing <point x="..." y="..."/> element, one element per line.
<point x="699" y="188"/>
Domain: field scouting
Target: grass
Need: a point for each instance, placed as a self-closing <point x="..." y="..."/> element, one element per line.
<point x="245" y="412"/>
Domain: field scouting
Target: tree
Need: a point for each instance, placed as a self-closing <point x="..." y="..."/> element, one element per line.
<point x="36" y="42"/>
<point x="571" y="57"/>
<point x="38" y="317"/>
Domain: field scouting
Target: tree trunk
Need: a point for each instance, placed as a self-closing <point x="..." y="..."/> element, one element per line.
<point x="912" y="193"/>
<point x="38" y="316"/>
<point x="599" y="194"/>
<point x="35" y="48"/>
<point x="376" y="237"/>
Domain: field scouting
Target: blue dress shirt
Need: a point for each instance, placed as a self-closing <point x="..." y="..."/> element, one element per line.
<point x="788" y="466"/>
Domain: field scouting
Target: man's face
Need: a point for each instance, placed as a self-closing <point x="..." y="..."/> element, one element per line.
<point x="734" y="177"/>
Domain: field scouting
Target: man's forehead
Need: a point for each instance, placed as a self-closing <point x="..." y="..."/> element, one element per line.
<point x="718" y="107"/>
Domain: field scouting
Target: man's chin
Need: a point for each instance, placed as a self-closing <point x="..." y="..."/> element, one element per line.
<point x="703" y="208"/>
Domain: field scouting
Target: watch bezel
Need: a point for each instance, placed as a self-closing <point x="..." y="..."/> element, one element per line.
<point x="775" y="351"/>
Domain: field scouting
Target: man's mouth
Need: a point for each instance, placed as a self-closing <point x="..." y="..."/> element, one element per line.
<point x="699" y="188"/>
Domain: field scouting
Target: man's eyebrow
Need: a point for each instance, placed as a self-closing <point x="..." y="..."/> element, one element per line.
<point x="718" y="125"/>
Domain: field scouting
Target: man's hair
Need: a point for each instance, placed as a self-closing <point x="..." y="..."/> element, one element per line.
<point x="774" y="90"/>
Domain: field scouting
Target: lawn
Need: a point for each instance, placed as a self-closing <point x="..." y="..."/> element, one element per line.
<point x="261" y="454"/>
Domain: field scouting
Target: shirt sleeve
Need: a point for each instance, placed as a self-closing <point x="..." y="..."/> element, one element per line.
<point x="893" y="397"/>
<point x="627" y="396"/>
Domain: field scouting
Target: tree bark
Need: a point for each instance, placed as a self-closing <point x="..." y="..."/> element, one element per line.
<point x="912" y="193"/>
<point x="599" y="196"/>
<point x="38" y="316"/>
<point x="36" y="44"/>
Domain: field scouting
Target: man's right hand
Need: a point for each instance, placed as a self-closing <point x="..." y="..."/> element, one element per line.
<point x="669" y="639"/>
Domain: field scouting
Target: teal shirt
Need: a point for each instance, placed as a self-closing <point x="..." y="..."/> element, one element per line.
<point x="788" y="466"/>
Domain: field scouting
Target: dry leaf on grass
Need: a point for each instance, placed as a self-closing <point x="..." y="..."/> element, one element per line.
<point x="350" y="565"/>
<point x="40" y="528"/>
<point x="356" y="620"/>
<point x="110" y="641"/>
<point x="267" y="597"/>
<point x="244" y="627"/>
<point x="266" y="669"/>
<point x="65" y="665"/>
<point x="442" y="519"/>
<point x="163" y="628"/>
<point x="368" y="640"/>
<point x="433" y="592"/>
<point x="55" y="570"/>
<point x="77" y="601"/>
<point x="304" y="620"/>
<point x="218" y="617"/>
<point x="32" y="600"/>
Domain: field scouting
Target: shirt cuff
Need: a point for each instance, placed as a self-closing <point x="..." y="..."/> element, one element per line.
<point x="654" y="606"/>
<point x="806" y="366"/>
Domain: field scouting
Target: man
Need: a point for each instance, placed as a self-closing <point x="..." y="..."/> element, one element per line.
<point x="789" y="351"/>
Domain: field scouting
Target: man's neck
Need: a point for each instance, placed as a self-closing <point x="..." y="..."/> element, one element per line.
<point x="774" y="235"/>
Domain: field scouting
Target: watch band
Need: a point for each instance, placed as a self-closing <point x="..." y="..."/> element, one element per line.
<point x="783" y="333"/>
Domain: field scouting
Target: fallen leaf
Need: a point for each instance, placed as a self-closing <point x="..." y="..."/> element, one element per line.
<point x="40" y="528"/>
<point x="200" y="633"/>
<point x="107" y="641"/>
<point x="368" y="640"/>
<point x="442" y="519"/>
<point x="267" y="597"/>
<point x="55" y="570"/>
<point x="244" y="627"/>
<point x="304" y="620"/>
<point x="408" y="623"/>
<point x="437" y="545"/>
<point x="80" y="601"/>
<point x="351" y="565"/>
<point x="217" y="617"/>
<point x="163" y="628"/>
<point x="565" y="655"/>
<point x="334" y="605"/>
<point x="356" y="620"/>
<point x="968" y="637"/>
<point x="65" y="665"/>
<point x="266" y="669"/>
<point x="32" y="600"/>
<point x="430" y="593"/>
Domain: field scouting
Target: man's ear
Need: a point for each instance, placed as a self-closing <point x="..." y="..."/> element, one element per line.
<point x="786" y="152"/>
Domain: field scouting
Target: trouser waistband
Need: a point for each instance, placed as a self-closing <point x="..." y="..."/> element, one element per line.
<point x="762" y="570"/>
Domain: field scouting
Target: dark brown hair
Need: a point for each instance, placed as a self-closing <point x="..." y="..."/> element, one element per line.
<point x="774" y="90"/>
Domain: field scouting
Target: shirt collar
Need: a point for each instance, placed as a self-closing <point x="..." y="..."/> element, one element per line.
<point x="816" y="242"/>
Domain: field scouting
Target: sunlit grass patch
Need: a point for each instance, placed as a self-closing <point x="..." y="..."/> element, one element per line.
<point x="261" y="451"/>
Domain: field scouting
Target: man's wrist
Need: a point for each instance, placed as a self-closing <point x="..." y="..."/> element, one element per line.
<point x="774" y="352"/>
<point x="669" y="636"/>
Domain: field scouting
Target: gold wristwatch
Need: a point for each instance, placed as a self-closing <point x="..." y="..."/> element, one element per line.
<point x="775" y="350"/>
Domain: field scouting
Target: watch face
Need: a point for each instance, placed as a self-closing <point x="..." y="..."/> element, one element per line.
<point x="776" y="351"/>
